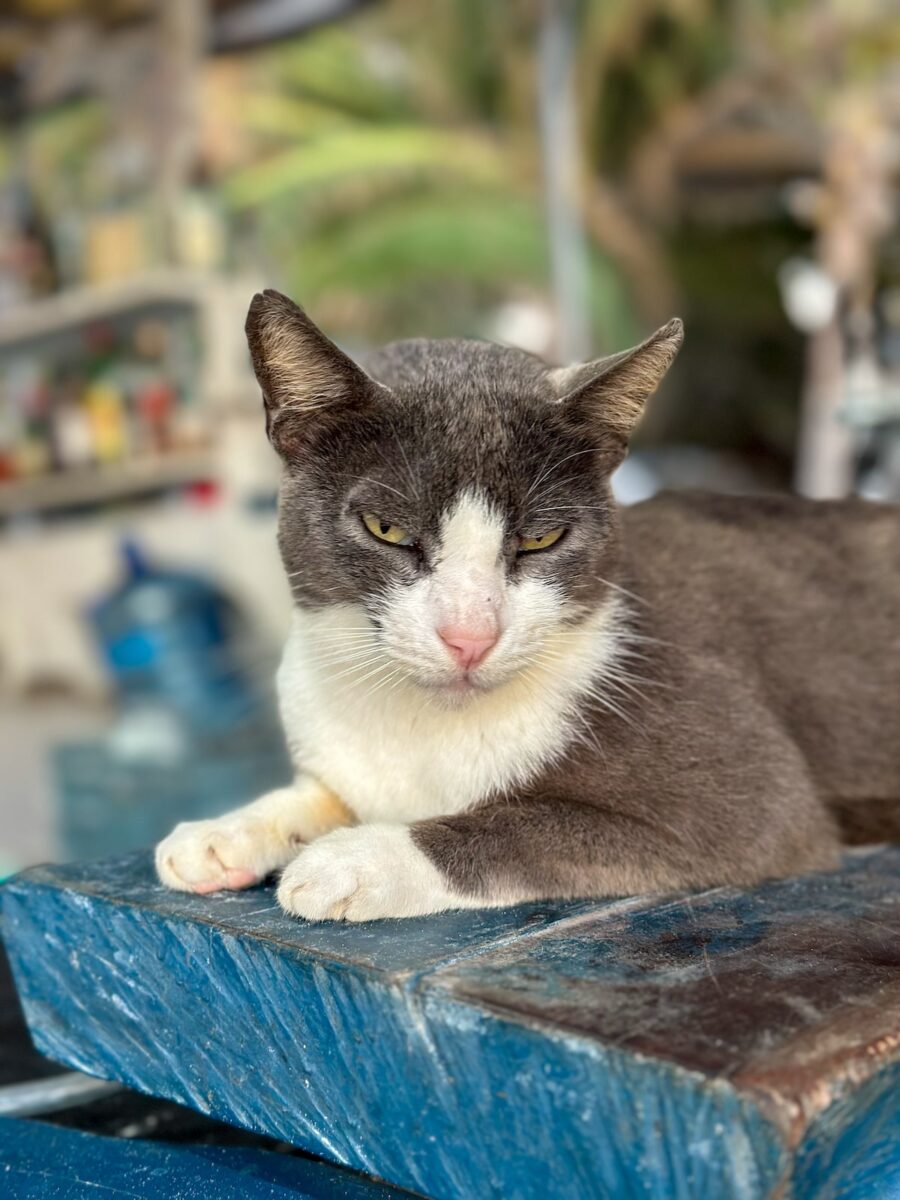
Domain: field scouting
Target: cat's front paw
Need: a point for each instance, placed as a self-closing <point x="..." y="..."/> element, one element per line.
<point x="361" y="874"/>
<point x="211" y="856"/>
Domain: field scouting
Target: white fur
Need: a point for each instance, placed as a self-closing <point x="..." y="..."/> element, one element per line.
<point x="466" y="584"/>
<point x="394" y="752"/>
<point x="245" y="845"/>
<point x="368" y="713"/>
<point x="365" y="873"/>
<point x="466" y="589"/>
<point x="384" y="719"/>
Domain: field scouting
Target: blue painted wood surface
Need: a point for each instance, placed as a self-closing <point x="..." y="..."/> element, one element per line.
<point x="729" y="1044"/>
<point x="852" y="1150"/>
<point x="42" y="1162"/>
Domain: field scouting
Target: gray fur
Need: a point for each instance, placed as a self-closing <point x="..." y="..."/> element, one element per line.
<point x="764" y="691"/>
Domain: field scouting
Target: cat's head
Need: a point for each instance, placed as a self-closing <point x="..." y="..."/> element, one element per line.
<point x="456" y="492"/>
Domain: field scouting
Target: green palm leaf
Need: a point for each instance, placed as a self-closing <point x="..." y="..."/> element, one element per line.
<point x="347" y="153"/>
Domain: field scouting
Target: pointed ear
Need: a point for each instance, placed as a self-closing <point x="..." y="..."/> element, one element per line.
<point x="606" y="397"/>
<point x="305" y="379"/>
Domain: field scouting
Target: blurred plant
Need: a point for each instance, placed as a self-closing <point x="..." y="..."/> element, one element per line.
<point x="62" y="149"/>
<point x="838" y="62"/>
<point x="396" y="158"/>
<point x="398" y="170"/>
<point x="392" y="122"/>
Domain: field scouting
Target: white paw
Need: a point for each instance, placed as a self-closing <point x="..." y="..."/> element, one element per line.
<point x="364" y="873"/>
<point x="210" y="856"/>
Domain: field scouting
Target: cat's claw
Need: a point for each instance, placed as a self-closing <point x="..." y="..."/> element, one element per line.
<point x="362" y="874"/>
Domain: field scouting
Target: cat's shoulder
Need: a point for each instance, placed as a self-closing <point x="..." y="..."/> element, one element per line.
<point x="682" y="530"/>
<point x="691" y="510"/>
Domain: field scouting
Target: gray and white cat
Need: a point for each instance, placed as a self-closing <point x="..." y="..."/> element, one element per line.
<point x="497" y="687"/>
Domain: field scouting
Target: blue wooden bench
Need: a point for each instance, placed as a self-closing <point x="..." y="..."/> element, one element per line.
<point x="40" y="1162"/>
<point x="728" y="1044"/>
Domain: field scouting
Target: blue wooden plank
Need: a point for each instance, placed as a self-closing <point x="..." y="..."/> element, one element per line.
<point x="42" y="1162"/>
<point x="672" y="1048"/>
<point x="395" y="948"/>
<point x="727" y="982"/>
<point x="852" y="1150"/>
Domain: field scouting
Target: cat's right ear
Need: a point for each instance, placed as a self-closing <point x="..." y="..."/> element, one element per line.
<point x="605" y="398"/>
<point x="306" y="380"/>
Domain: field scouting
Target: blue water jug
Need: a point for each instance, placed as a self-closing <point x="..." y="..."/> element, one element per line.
<point x="171" y="638"/>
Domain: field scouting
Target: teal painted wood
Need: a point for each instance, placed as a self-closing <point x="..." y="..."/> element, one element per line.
<point x="42" y="1162"/>
<point x="729" y="1044"/>
<point x="853" y="1148"/>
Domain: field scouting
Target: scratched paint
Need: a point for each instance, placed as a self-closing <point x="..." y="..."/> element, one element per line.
<point x="718" y="982"/>
<point x="678" y="1048"/>
<point x="853" y="1148"/>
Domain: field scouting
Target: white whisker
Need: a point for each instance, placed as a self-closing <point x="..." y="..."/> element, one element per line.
<point x="352" y="683"/>
<point x="349" y="635"/>
<point x="359" y="666"/>
<point x="412" y="478"/>
<point x="617" y="587"/>
<point x="567" y="507"/>
<point x="556" y="466"/>
<point x="330" y="654"/>
<point x="381" y="483"/>
<point x="398" y="671"/>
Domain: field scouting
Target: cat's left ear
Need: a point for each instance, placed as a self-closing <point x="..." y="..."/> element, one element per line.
<point x="606" y="397"/>
<point x="306" y="380"/>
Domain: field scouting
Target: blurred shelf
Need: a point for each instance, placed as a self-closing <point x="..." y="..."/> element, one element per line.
<point x="83" y="305"/>
<point x="92" y="485"/>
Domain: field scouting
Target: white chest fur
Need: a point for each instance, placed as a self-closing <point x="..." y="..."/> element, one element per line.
<point x="393" y="753"/>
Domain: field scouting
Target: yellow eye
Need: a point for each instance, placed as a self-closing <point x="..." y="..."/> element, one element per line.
<point x="385" y="532"/>
<point x="542" y="542"/>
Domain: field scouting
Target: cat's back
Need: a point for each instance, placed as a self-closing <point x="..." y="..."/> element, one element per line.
<point x="797" y="601"/>
<point x="841" y="546"/>
<point x="802" y="595"/>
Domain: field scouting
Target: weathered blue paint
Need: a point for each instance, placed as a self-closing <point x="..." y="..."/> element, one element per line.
<point x="689" y="1047"/>
<point x="42" y="1162"/>
<point x="853" y="1149"/>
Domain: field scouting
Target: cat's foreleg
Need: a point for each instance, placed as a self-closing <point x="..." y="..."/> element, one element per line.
<point x="545" y="847"/>
<point x="242" y="847"/>
<point x="367" y="872"/>
<point x="499" y="853"/>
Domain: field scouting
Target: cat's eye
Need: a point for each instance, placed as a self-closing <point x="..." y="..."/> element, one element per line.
<point x="527" y="544"/>
<point x="385" y="531"/>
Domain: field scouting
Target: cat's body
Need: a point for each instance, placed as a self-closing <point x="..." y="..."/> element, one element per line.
<point x="527" y="695"/>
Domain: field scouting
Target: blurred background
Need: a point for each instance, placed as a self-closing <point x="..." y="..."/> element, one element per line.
<point x="563" y="175"/>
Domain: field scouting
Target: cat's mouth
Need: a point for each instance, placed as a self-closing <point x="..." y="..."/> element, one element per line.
<point x="454" y="693"/>
<point x="455" y="684"/>
<point x="463" y="687"/>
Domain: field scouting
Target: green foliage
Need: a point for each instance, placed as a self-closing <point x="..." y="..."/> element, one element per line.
<point x="382" y="174"/>
<point x="359" y="151"/>
<point x="439" y="235"/>
<point x="349" y="67"/>
<point x="62" y="148"/>
<point x="641" y="59"/>
<point x="392" y="147"/>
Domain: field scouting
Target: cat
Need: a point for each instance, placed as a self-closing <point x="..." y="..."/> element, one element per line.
<point x="499" y="687"/>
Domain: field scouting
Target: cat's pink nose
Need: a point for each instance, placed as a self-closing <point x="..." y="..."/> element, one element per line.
<point x="468" y="646"/>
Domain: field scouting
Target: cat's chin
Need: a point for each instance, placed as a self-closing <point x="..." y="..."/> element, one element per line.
<point x="463" y="690"/>
<point x="455" y="693"/>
